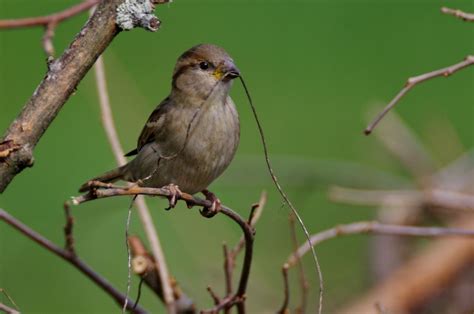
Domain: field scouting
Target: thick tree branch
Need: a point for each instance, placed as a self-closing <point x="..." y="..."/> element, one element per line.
<point x="70" y="258"/>
<point x="60" y="82"/>
<point x="373" y="227"/>
<point x="413" y="81"/>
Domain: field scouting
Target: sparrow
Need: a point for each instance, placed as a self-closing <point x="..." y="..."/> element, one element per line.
<point x="192" y="135"/>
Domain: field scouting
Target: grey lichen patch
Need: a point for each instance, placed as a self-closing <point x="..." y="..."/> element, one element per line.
<point x="137" y="13"/>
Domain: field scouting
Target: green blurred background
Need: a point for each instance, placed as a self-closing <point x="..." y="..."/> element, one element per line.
<point x="314" y="69"/>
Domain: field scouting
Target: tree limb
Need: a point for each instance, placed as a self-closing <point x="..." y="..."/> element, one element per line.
<point x="70" y="258"/>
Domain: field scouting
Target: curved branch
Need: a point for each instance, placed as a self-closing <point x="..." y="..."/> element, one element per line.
<point x="445" y="72"/>
<point x="468" y="17"/>
<point x="374" y="227"/>
<point x="110" y="190"/>
<point x="71" y="258"/>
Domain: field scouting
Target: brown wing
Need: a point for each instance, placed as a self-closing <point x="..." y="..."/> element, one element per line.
<point x="152" y="126"/>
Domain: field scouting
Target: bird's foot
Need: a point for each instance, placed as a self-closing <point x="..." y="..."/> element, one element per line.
<point x="175" y="194"/>
<point x="209" y="212"/>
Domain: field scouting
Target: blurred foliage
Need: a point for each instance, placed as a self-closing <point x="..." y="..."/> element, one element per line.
<point x="314" y="69"/>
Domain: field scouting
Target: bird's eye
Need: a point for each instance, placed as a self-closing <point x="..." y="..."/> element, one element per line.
<point x="204" y="65"/>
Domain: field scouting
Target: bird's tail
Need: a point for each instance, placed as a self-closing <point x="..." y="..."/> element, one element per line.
<point x="109" y="176"/>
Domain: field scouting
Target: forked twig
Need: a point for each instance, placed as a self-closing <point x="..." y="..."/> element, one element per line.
<point x="373" y="227"/>
<point x="413" y="81"/>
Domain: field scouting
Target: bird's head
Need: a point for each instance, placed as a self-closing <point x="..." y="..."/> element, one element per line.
<point x="204" y="69"/>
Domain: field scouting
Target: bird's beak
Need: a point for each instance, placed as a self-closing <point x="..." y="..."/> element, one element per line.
<point x="226" y="71"/>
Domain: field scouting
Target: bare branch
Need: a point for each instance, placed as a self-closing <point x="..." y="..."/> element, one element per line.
<point x="70" y="258"/>
<point x="373" y="227"/>
<point x="430" y="197"/>
<point x="61" y="80"/>
<point x="143" y="212"/>
<point x="469" y="17"/>
<point x="413" y="81"/>
<point x="48" y="19"/>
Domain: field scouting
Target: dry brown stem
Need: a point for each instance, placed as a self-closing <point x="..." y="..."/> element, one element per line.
<point x="143" y="211"/>
<point x="413" y="81"/>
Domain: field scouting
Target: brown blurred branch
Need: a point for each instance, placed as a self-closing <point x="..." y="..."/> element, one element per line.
<point x="421" y="277"/>
<point x="469" y="17"/>
<point x="430" y="197"/>
<point x="373" y="227"/>
<point x="413" y="81"/>
<point x="101" y="190"/>
<point x="144" y="266"/>
<point x="70" y="258"/>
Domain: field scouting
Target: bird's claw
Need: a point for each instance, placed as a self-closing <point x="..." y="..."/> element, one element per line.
<point x="175" y="194"/>
<point x="211" y="211"/>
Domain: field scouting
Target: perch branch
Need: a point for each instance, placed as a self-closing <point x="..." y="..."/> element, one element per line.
<point x="413" y="81"/>
<point x="70" y="258"/>
<point x="143" y="212"/>
<point x="110" y="190"/>
<point x="374" y="227"/>
<point x="469" y="17"/>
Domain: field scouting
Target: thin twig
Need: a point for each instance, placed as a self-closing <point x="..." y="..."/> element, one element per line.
<point x="411" y="198"/>
<point x="68" y="257"/>
<point x="373" y="227"/>
<point x="413" y="81"/>
<point x="285" y="197"/>
<point x="304" y="286"/>
<point x="286" y="300"/>
<point x="469" y="17"/>
<point x="48" y="19"/>
<point x="129" y="255"/>
<point x="228" y="269"/>
<point x="143" y="211"/>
